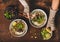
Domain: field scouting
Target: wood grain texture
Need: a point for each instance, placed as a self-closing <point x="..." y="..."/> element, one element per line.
<point x="5" y="35"/>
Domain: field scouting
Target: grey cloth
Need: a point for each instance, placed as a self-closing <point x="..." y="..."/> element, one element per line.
<point x="51" y="19"/>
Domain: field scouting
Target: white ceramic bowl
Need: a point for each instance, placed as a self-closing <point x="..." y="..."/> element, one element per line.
<point x="21" y="33"/>
<point x="50" y="33"/>
<point x="41" y="25"/>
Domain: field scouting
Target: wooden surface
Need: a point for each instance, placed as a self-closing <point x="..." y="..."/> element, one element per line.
<point x="5" y="35"/>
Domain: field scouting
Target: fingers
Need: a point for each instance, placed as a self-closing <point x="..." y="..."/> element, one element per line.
<point x="26" y="15"/>
<point x="32" y="16"/>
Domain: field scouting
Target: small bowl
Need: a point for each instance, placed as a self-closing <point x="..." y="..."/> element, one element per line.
<point x="20" y="33"/>
<point x="48" y="32"/>
<point x="40" y="25"/>
<point x="11" y="12"/>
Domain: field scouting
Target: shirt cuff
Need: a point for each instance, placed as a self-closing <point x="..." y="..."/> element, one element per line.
<point x="52" y="14"/>
<point x="53" y="11"/>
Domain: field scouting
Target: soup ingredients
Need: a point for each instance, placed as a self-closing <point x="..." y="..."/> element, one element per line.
<point x="48" y="29"/>
<point x="35" y="37"/>
<point x="46" y="34"/>
<point x="18" y="26"/>
<point x="38" y="18"/>
<point x="8" y="15"/>
<point x="14" y="23"/>
<point x="11" y="12"/>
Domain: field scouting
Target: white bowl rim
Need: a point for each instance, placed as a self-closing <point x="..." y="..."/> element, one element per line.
<point x="45" y="17"/>
<point x="26" y="28"/>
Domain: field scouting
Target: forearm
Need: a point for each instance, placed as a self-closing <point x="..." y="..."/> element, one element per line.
<point x="53" y="10"/>
<point x="55" y="4"/>
<point x="26" y="7"/>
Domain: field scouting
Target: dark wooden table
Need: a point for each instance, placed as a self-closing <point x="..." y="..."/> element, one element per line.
<point x="5" y="35"/>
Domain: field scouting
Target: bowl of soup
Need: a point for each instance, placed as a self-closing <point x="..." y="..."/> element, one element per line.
<point x="38" y="18"/>
<point x="18" y="28"/>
